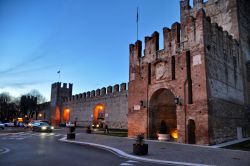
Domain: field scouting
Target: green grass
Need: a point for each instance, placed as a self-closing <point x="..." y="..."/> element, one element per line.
<point x="240" y="146"/>
<point x="113" y="132"/>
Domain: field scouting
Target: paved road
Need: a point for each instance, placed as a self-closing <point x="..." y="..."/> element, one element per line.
<point x="39" y="149"/>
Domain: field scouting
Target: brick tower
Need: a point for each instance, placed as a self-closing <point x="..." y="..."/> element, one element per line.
<point x="58" y="94"/>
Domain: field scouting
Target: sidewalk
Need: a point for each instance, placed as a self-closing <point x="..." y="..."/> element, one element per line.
<point x="166" y="152"/>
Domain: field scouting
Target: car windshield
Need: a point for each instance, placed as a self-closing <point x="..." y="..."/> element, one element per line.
<point x="43" y="124"/>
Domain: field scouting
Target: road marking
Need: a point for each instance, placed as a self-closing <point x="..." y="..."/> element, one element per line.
<point x="57" y="135"/>
<point x="21" y="138"/>
<point x="23" y="135"/>
<point x="126" y="164"/>
<point x="132" y="161"/>
<point x="5" y="150"/>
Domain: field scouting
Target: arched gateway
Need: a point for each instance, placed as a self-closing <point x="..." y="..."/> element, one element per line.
<point x="162" y="107"/>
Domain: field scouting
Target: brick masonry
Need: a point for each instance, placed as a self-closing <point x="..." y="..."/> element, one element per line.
<point x="203" y="65"/>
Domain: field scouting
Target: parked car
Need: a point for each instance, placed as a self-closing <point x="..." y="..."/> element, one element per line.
<point x="70" y="124"/>
<point x="2" y="125"/>
<point x="42" y="127"/>
<point x="9" y="124"/>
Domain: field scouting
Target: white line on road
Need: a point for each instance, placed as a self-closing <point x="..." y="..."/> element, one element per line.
<point x="5" y="150"/>
<point x="132" y="161"/>
<point x="126" y="164"/>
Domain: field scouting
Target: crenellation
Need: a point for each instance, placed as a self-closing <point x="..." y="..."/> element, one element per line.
<point x="123" y="87"/>
<point x="98" y="92"/>
<point x="151" y="44"/>
<point x="167" y="38"/>
<point x="88" y="94"/>
<point x="116" y="88"/>
<point x="103" y="91"/>
<point x="109" y="89"/>
<point x="84" y="95"/>
<point x="92" y="94"/>
<point x="65" y="85"/>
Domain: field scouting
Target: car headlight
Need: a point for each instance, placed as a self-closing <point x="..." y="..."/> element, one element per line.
<point x="52" y="127"/>
<point x="97" y="125"/>
<point x="44" y="128"/>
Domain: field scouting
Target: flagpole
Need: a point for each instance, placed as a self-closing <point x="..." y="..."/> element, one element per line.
<point x="59" y="75"/>
<point x="137" y="20"/>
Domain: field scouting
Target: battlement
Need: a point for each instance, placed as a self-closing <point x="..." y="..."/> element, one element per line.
<point x="171" y="38"/>
<point x="62" y="86"/>
<point x="98" y="92"/>
<point x="29" y="98"/>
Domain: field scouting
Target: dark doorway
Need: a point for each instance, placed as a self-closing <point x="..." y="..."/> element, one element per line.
<point x="191" y="131"/>
<point x="162" y="108"/>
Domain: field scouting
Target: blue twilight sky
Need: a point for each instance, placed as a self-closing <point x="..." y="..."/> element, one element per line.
<point x="88" y="40"/>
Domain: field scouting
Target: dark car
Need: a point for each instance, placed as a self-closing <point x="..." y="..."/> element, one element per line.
<point x="42" y="127"/>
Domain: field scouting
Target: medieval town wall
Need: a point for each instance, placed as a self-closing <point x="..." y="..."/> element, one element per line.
<point x="114" y="100"/>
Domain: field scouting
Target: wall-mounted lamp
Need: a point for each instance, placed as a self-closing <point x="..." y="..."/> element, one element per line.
<point x="141" y="103"/>
<point x="177" y="100"/>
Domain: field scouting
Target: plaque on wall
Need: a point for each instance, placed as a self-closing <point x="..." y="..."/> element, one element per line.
<point x="196" y="60"/>
<point x="161" y="71"/>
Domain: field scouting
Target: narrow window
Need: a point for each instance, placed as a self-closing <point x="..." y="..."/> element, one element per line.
<point x="173" y="67"/>
<point x="149" y="73"/>
<point x="189" y="80"/>
<point x="248" y="70"/>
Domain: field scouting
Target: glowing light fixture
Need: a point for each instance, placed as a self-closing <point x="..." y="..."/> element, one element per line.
<point x="174" y="134"/>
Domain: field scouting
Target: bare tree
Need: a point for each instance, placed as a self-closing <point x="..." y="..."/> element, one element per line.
<point x="38" y="95"/>
<point x="8" y="108"/>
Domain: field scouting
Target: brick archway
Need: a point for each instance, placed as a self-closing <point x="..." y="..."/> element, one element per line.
<point x="161" y="107"/>
<point x="66" y="115"/>
<point x="99" y="114"/>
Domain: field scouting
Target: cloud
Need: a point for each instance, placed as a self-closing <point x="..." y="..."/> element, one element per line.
<point x="23" y="85"/>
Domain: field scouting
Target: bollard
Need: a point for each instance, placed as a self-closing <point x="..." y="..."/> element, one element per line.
<point x="71" y="134"/>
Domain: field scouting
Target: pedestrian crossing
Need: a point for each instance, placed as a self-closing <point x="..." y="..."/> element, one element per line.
<point x="24" y="135"/>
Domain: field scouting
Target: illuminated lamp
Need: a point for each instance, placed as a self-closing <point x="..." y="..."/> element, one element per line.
<point x="174" y="133"/>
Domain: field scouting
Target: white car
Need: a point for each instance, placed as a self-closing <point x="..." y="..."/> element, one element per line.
<point x="2" y="125"/>
<point x="70" y="124"/>
<point x="9" y="124"/>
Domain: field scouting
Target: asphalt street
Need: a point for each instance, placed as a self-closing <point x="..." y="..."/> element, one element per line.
<point x="39" y="149"/>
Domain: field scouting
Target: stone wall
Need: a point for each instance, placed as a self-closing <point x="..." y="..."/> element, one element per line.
<point x="113" y="99"/>
<point x="225" y="84"/>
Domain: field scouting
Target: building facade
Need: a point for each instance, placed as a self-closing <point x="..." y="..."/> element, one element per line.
<point x="198" y="83"/>
<point x="102" y="106"/>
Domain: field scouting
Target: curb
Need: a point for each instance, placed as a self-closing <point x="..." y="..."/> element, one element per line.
<point x="129" y="156"/>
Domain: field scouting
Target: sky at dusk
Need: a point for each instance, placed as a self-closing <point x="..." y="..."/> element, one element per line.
<point x="88" y="40"/>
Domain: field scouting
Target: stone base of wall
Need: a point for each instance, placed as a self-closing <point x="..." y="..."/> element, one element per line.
<point x="224" y="119"/>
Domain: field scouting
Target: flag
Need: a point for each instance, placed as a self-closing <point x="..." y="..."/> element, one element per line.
<point x="58" y="72"/>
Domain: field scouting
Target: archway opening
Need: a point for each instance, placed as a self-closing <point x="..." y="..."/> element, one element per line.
<point x="58" y="115"/>
<point x="191" y="131"/>
<point x="99" y="114"/>
<point x="162" y="108"/>
<point x="66" y="115"/>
